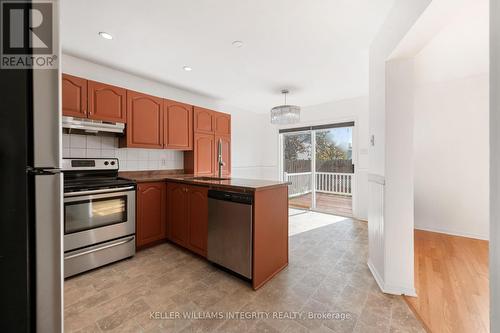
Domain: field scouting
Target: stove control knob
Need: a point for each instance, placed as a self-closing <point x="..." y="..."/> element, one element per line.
<point x="112" y="162"/>
<point x="106" y="162"/>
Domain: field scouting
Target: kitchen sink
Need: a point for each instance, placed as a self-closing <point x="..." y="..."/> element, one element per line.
<point x="209" y="178"/>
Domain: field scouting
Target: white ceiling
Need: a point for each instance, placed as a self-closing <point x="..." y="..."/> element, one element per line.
<point x="317" y="48"/>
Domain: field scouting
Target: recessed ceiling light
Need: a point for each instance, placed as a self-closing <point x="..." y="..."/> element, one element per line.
<point x="105" y="35"/>
<point x="237" y="43"/>
<point x="187" y="68"/>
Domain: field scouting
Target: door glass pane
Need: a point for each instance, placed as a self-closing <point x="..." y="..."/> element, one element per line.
<point x="94" y="213"/>
<point x="334" y="170"/>
<point x="297" y="168"/>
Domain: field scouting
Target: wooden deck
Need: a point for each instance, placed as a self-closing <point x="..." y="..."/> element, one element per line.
<point x="326" y="203"/>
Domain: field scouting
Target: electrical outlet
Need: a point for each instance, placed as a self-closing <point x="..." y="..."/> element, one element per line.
<point x="163" y="162"/>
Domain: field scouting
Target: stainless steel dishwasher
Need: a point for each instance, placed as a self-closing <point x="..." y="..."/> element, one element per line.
<point x="230" y="231"/>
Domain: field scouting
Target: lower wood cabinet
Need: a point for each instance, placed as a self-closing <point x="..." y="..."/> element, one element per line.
<point x="177" y="228"/>
<point x="197" y="215"/>
<point x="151" y="226"/>
<point x="187" y="221"/>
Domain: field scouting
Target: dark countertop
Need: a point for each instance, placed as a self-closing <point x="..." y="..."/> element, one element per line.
<point x="235" y="184"/>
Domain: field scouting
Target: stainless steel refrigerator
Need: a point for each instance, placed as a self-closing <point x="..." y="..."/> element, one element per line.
<point x="31" y="192"/>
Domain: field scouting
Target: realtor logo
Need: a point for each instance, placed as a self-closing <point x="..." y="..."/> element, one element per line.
<point x="27" y="35"/>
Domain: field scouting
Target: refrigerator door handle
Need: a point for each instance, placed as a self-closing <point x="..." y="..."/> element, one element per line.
<point x="49" y="252"/>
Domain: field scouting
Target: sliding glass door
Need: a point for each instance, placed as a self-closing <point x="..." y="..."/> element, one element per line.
<point x="318" y="162"/>
<point x="297" y="168"/>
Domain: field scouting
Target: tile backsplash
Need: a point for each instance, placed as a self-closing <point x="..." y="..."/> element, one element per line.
<point x="131" y="159"/>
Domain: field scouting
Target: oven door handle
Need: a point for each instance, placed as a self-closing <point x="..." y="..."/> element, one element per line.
<point x="79" y="254"/>
<point x="108" y="190"/>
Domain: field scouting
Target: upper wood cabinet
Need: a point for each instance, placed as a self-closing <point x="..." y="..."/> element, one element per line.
<point x="209" y="127"/>
<point x="178" y="125"/>
<point x="197" y="216"/>
<point x="226" y="154"/>
<point x="74" y="96"/>
<point x="107" y="102"/>
<point x="204" y="154"/>
<point x="177" y="225"/>
<point x="204" y="120"/>
<point x="222" y="123"/>
<point x="151" y="213"/>
<point x="144" y="121"/>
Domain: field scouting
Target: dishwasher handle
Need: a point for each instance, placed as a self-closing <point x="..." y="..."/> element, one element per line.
<point x="243" y="198"/>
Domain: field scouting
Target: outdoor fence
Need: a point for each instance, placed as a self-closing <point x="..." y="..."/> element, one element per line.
<point x="326" y="182"/>
<point x="336" y="166"/>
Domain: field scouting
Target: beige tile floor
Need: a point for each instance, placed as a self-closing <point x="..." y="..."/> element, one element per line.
<point x="327" y="274"/>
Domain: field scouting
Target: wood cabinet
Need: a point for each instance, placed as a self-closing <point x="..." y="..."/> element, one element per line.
<point x="187" y="221"/>
<point x="201" y="161"/>
<point x="209" y="127"/>
<point x="270" y="234"/>
<point x="151" y="224"/>
<point x="222" y="123"/>
<point x="177" y="228"/>
<point x="144" y="121"/>
<point x="204" y="121"/>
<point x="178" y="125"/>
<point x="226" y="154"/>
<point x="74" y="96"/>
<point x="107" y="102"/>
<point x="197" y="215"/>
<point x="208" y="121"/>
<point x="95" y="100"/>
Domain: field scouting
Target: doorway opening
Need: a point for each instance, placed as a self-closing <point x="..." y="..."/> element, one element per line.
<point x="318" y="163"/>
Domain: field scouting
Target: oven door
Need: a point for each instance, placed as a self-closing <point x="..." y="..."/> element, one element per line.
<point x="92" y="217"/>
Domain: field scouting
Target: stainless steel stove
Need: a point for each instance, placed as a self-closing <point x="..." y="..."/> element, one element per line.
<point x="99" y="214"/>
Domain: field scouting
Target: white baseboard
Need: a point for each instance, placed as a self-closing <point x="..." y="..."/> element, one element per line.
<point x="390" y="289"/>
<point x="376" y="276"/>
<point x="454" y="233"/>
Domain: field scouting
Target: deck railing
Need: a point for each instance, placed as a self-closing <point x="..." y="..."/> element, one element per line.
<point x="300" y="183"/>
<point x="326" y="182"/>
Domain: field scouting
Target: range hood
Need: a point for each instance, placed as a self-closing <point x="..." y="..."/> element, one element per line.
<point x="75" y="125"/>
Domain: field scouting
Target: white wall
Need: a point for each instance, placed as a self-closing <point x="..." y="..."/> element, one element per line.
<point x="354" y="109"/>
<point x="451" y="126"/>
<point x="390" y="238"/>
<point x="399" y="21"/>
<point x="247" y="157"/>
<point x="398" y="201"/>
<point x="494" y="262"/>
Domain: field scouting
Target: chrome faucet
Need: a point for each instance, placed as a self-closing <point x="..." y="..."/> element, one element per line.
<point x="220" y="163"/>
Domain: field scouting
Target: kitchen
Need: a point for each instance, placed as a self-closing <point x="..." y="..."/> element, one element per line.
<point x="200" y="208"/>
<point x="171" y="204"/>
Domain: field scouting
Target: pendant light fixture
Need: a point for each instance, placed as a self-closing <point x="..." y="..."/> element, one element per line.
<point x="285" y="114"/>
